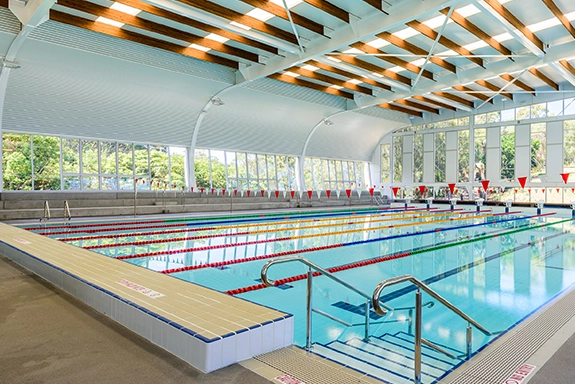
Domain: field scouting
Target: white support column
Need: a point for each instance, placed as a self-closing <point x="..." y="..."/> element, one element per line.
<point x="451" y="156"/>
<point x="407" y="175"/>
<point x="493" y="154"/>
<point x="471" y="152"/>
<point x="299" y="174"/>
<point x="189" y="172"/>
<point x="428" y="157"/>
<point x="522" y="150"/>
<point x="554" y="161"/>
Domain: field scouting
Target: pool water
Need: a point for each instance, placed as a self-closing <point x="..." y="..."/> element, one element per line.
<point x="497" y="268"/>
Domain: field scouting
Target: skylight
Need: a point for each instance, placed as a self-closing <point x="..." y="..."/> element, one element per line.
<point x="503" y="37"/>
<point x="544" y="24"/>
<point x="352" y="50"/>
<point x="397" y="69"/>
<point x="334" y="59"/>
<point x="335" y="86"/>
<point x="355" y="81"/>
<point x="468" y="10"/>
<point x="406" y="33"/>
<point x="436" y="22"/>
<point x="378" y="43"/>
<point x="125" y="8"/>
<point x="260" y="14"/>
<point x="377" y="74"/>
<point x="199" y="47"/>
<point x="242" y="26"/>
<point x="310" y="67"/>
<point x="290" y="3"/>
<point x="113" y="23"/>
<point x="475" y="45"/>
<point x="218" y="38"/>
<point x="291" y="74"/>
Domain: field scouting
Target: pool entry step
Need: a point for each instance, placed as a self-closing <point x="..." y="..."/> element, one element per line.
<point x="389" y="358"/>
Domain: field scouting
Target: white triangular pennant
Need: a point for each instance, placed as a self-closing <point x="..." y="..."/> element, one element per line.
<point x="337" y="193"/>
<point x="359" y="193"/>
<point x="318" y="194"/>
<point x="300" y="194"/>
<point x="285" y="194"/>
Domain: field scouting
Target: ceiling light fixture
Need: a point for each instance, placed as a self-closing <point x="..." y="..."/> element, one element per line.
<point x="217" y="101"/>
<point x="327" y="122"/>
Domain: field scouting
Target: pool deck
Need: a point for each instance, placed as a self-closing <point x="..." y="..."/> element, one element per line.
<point x="203" y="327"/>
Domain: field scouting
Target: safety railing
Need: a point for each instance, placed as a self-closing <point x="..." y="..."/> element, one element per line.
<point x="383" y="310"/>
<point x="310" y="309"/>
<point x="46" y="215"/>
<point x="67" y="214"/>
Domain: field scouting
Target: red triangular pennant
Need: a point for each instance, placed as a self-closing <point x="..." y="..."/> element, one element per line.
<point x="235" y="192"/>
<point x="277" y="194"/>
<point x="292" y="193"/>
<point x="451" y="187"/>
<point x="249" y="192"/>
<point x="328" y="193"/>
<point x="557" y="190"/>
<point x="371" y="191"/>
<point x="223" y="192"/>
<point x="263" y="192"/>
<point x="309" y="192"/>
<point x="348" y="193"/>
<point x="422" y="189"/>
<point x="395" y="189"/>
<point x="485" y="184"/>
<point x="565" y="177"/>
<point x="522" y="181"/>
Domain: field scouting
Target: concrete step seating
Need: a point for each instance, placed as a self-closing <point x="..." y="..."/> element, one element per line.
<point x="18" y="205"/>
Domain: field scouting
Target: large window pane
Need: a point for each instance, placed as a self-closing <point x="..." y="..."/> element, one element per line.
<point x="397" y="159"/>
<point x="89" y="157"/>
<point x="16" y="162"/>
<point x="538" y="151"/>
<point x="141" y="161"/>
<point x="125" y="159"/>
<point x="46" y="162"/>
<point x="308" y="173"/>
<point x="108" y="157"/>
<point x="217" y="165"/>
<point x="71" y="156"/>
<point x="463" y="156"/>
<point x="202" y="168"/>
<point x="508" y="153"/>
<point x="569" y="149"/>
<point x="479" y="147"/>
<point x="417" y="158"/>
<point x="272" y="173"/>
<point x="440" y="163"/>
<point x="159" y="166"/>
<point x="282" y="170"/>
<point x="385" y="163"/>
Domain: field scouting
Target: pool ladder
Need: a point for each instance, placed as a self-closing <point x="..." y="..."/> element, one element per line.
<point x="380" y="308"/>
<point x="419" y="340"/>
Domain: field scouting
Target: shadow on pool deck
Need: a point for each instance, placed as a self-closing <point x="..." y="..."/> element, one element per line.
<point x="48" y="336"/>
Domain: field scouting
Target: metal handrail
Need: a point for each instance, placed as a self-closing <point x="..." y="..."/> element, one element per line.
<point x="46" y="216"/>
<point x="375" y="300"/>
<point x="269" y="283"/>
<point x="421" y="285"/>
<point x="67" y="214"/>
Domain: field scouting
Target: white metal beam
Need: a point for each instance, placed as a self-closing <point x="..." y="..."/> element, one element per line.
<point x="518" y="35"/>
<point x="563" y="72"/>
<point x="402" y="13"/>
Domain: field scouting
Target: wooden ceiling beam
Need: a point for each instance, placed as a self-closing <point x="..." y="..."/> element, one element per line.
<point x="391" y="59"/>
<point x="567" y="66"/>
<point x="252" y="22"/>
<point x="4" y="3"/>
<point x="473" y="93"/>
<point x="457" y="99"/>
<point x="308" y="84"/>
<point x="160" y="12"/>
<point x="477" y="32"/>
<point x="377" y="4"/>
<point x="516" y="23"/>
<point x="397" y="108"/>
<point x="347" y="74"/>
<point x="422" y="107"/>
<point x="560" y="15"/>
<point x="435" y="102"/>
<point x="518" y="83"/>
<point x="330" y="80"/>
<point x="137" y="38"/>
<point x="401" y="43"/>
<point x="494" y="88"/>
<point x="447" y="43"/>
<point x="541" y="76"/>
<point x="112" y="14"/>
<point x="374" y="69"/>
<point x="330" y="9"/>
<point x="280" y="12"/>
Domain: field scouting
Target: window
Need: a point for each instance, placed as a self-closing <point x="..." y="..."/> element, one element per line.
<point x="479" y="146"/>
<point x="569" y="149"/>
<point x="385" y="163"/>
<point x="463" y="156"/>
<point x="417" y="158"/>
<point x="538" y="151"/>
<point x="397" y="159"/>
<point x="46" y="162"/>
<point x="16" y="162"/>
<point x="507" y="153"/>
<point x="440" y="152"/>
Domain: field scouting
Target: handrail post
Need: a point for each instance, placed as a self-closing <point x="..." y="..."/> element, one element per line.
<point x="367" y="308"/>
<point x="309" y="312"/>
<point x="417" y="357"/>
<point x="410" y="328"/>
<point x="469" y="340"/>
<point x="67" y="214"/>
<point x="135" y="196"/>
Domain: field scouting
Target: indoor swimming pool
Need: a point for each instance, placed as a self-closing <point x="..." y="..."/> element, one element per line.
<point x="496" y="267"/>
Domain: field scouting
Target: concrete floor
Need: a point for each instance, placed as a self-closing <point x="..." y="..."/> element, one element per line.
<point x="48" y="336"/>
